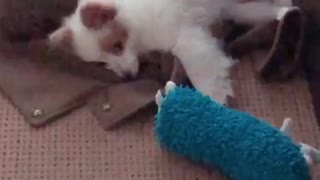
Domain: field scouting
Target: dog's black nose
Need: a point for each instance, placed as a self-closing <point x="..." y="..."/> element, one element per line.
<point x="128" y="76"/>
<point x="99" y="64"/>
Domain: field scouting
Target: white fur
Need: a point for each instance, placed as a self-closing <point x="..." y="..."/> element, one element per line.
<point x="179" y="26"/>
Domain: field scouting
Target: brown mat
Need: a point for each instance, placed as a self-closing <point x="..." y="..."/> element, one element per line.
<point x="78" y="148"/>
<point x="42" y="94"/>
<point x="113" y="105"/>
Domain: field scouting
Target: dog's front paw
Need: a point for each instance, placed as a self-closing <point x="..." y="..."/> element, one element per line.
<point x="221" y="97"/>
<point x="220" y="91"/>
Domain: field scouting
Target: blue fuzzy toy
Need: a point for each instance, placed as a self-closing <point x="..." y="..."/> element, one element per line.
<point x="240" y="145"/>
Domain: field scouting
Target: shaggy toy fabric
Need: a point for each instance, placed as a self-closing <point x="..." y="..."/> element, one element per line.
<point x="240" y="145"/>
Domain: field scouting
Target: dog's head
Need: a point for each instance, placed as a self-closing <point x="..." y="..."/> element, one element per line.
<point x="93" y="33"/>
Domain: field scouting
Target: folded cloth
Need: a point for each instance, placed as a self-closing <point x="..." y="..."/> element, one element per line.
<point x="283" y="37"/>
<point x="311" y="49"/>
<point x="32" y="19"/>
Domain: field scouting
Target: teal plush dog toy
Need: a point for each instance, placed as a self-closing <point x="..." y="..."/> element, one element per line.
<point x="240" y="145"/>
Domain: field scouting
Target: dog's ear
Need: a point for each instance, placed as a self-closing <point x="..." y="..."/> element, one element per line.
<point x="95" y="15"/>
<point x="62" y="37"/>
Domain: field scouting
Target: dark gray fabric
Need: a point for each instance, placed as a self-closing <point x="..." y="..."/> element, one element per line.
<point x="30" y="19"/>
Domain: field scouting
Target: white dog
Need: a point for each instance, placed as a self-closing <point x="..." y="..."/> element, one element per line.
<point x="116" y="31"/>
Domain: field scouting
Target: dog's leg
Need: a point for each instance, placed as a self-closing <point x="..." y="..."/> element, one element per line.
<point x="205" y="63"/>
<point x="283" y="3"/>
<point x="264" y="18"/>
<point x="252" y="13"/>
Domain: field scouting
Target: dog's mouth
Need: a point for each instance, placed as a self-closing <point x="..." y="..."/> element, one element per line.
<point x="99" y="64"/>
<point x="126" y="77"/>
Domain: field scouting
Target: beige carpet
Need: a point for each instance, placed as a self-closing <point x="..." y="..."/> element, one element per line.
<point x="76" y="147"/>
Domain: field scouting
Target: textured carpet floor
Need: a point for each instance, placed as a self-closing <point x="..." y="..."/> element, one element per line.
<point x="76" y="147"/>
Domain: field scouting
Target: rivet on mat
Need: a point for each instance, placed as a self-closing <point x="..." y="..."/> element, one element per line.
<point x="106" y="107"/>
<point x="37" y="112"/>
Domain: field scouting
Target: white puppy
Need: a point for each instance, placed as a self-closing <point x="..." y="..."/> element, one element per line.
<point x="116" y="31"/>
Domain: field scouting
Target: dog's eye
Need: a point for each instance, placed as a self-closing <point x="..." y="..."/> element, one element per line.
<point x="117" y="48"/>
